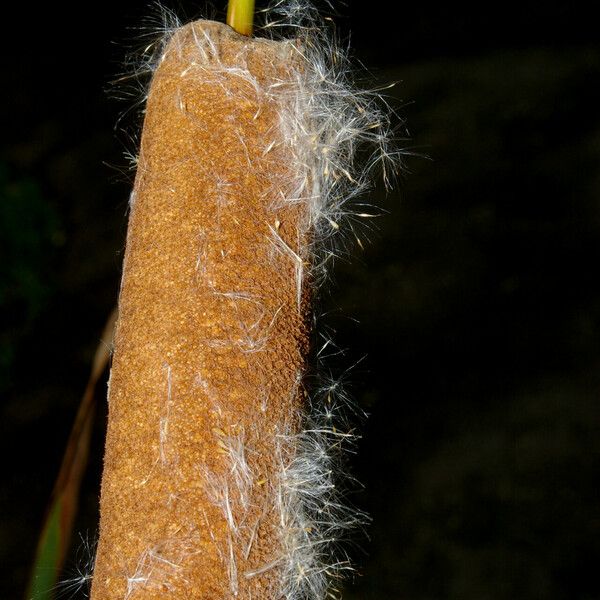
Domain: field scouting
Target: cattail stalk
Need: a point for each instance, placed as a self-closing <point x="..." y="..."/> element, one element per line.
<point x="240" y="16"/>
<point x="212" y="333"/>
<point x="219" y="477"/>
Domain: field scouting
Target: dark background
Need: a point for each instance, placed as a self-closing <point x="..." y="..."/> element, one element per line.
<point x="477" y="299"/>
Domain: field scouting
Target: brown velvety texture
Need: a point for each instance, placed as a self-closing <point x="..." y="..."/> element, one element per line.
<point x="211" y="341"/>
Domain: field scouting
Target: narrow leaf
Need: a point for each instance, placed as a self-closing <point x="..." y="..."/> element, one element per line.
<point x="56" y="533"/>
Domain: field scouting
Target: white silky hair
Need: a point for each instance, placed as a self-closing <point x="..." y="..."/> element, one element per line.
<point x="338" y="136"/>
<point x="77" y="579"/>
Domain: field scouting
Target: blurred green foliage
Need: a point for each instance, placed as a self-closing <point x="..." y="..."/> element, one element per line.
<point x="29" y="232"/>
<point x="44" y="574"/>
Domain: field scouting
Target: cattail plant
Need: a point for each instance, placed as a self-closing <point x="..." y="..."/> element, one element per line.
<point x="221" y="476"/>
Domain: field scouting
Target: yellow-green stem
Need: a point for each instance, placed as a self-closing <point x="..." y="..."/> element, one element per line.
<point x="240" y="16"/>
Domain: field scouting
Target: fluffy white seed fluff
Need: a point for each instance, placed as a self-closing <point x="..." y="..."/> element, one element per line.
<point x="78" y="580"/>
